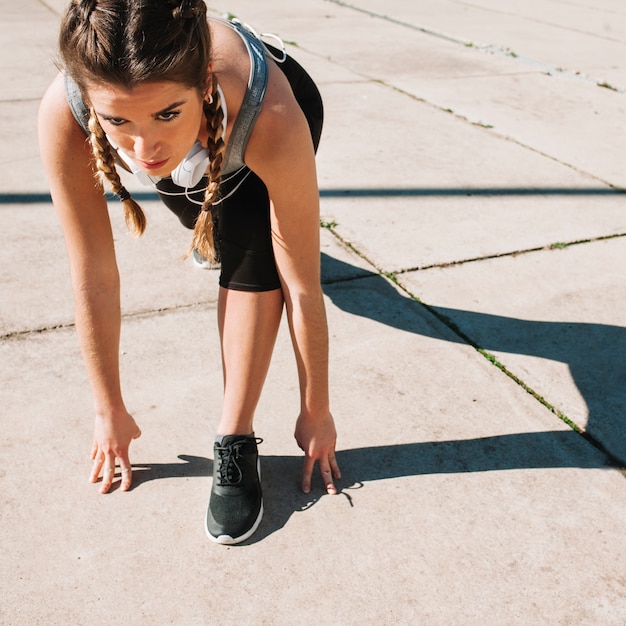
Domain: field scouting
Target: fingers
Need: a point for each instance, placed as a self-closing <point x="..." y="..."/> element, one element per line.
<point x="327" y="477"/>
<point x="307" y="472"/>
<point x="108" y="473"/>
<point x="105" y="464"/>
<point x="111" y="443"/>
<point x="126" y="471"/>
<point x="328" y="469"/>
<point x="334" y="467"/>
<point x="98" y="460"/>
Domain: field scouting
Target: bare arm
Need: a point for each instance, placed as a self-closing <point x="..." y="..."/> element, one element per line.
<point x="281" y="153"/>
<point x="82" y="210"/>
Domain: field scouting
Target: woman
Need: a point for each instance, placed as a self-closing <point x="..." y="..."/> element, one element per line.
<point x="198" y="108"/>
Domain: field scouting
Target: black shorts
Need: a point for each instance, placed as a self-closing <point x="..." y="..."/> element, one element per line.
<point x="242" y="219"/>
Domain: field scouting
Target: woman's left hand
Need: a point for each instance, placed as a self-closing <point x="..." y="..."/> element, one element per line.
<point x="317" y="437"/>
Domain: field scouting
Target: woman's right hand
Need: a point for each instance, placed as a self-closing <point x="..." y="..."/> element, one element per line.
<point x="112" y="439"/>
<point x="84" y="216"/>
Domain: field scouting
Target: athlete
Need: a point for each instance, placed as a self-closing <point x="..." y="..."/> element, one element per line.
<point x="225" y="127"/>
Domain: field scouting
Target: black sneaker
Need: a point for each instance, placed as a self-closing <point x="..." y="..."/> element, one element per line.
<point x="236" y="504"/>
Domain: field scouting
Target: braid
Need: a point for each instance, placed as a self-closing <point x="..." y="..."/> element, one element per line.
<point x="203" y="240"/>
<point x="85" y="9"/>
<point x="187" y="10"/>
<point x="105" y="162"/>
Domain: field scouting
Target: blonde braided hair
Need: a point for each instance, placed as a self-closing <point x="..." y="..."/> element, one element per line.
<point x="203" y="236"/>
<point x="105" y="164"/>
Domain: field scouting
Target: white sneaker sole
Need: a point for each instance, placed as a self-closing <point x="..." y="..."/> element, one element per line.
<point x="227" y="540"/>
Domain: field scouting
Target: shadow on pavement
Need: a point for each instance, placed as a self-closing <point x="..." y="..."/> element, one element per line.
<point x="594" y="353"/>
<point x="280" y="474"/>
<point x="378" y="192"/>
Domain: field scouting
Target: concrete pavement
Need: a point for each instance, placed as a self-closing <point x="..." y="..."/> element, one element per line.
<point x="472" y="172"/>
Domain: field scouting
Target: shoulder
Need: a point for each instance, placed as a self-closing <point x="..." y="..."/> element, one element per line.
<point x="281" y="129"/>
<point x="230" y="63"/>
<point x="227" y="49"/>
<point x="57" y="127"/>
<point x="54" y="100"/>
<point x="64" y="148"/>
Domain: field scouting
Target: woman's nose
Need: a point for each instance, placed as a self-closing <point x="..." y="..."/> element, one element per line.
<point x="145" y="147"/>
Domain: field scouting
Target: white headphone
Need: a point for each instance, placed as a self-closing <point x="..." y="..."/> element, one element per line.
<point x="192" y="168"/>
<point x="187" y="174"/>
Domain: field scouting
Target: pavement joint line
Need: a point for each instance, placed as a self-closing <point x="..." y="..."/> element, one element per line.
<point x="392" y="277"/>
<point x="332" y="226"/>
<point x="19" y="334"/>
<point x="574" y="168"/>
<point x="387" y="18"/>
<point x="612" y="460"/>
<point x="19" y="100"/>
<point x="493" y="49"/>
<point x="490" y="192"/>
<point x="606" y="189"/>
<point x="491" y="128"/>
<point x="146" y="313"/>
<point x="552" y="246"/>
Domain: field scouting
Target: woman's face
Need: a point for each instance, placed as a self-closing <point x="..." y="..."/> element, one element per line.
<point x="155" y="124"/>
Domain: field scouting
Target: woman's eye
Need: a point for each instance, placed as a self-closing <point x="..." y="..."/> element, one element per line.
<point x="115" y="121"/>
<point x="169" y="116"/>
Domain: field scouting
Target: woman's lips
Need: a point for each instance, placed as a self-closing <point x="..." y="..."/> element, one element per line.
<point x="153" y="165"/>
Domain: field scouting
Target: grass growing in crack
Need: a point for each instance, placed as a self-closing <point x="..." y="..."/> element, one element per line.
<point x="494" y="361"/>
<point x="559" y="246"/>
<point x="606" y="85"/>
<point x="328" y="225"/>
<point x="392" y="276"/>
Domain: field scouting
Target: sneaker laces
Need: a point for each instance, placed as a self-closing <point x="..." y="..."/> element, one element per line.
<point x="229" y="472"/>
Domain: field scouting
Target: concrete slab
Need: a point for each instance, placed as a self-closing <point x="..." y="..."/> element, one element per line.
<point x="426" y="198"/>
<point x="464" y="500"/>
<point x="553" y="318"/>
<point x="566" y="120"/>
<point x="19" y="153"/>
<point x="503" y="498"/>
<point x="569" y="125"/>
<point x="541" y="34"/>
<point x="28" y="42"/>
<point x="35" y="278"/>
